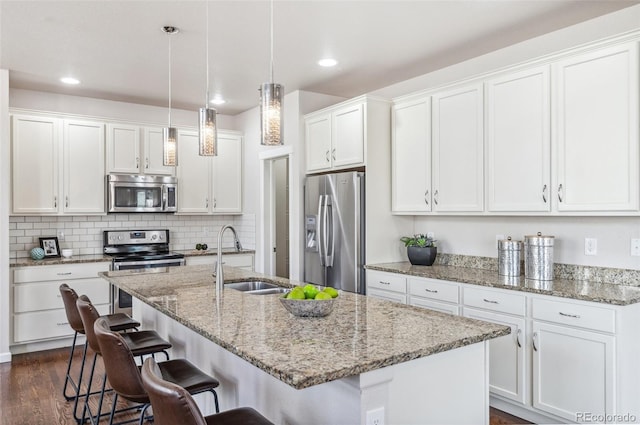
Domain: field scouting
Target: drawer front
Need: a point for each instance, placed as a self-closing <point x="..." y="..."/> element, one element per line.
<point x="59" y="272"/>
<point x="46" y="295"/>
<point x="44" y="325"/>
<point x="386" y="281"/>
<point x="435" y="305"/>
<point x="387" y="295"/>
<point x="434" y="289"/>
<point x="575" y="314"/>
<point x="493" y="300"/>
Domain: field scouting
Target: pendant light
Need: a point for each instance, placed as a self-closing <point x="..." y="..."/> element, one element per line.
<point x="208" y="137"/>
<point x="271" y="105"/>
<point x="170" y="134"/>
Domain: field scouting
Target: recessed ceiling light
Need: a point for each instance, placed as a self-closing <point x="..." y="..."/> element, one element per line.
<point x="218" y="100"/>
<point x="328" y="62"/>
<point x="70" y="80"/>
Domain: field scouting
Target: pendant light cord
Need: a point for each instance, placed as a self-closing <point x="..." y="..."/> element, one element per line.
<point x="170" y="80"/>
<point x="206" y="101"/>
<point x="271" y="36"/>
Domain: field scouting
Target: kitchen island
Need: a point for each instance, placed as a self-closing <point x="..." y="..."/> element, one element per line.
<point x="369" y="359"/>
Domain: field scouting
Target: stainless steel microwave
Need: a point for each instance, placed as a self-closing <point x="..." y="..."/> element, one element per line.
<point x="138" y="193"/>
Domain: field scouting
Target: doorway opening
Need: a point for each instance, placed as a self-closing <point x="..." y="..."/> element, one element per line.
<point x="280" y="201"/>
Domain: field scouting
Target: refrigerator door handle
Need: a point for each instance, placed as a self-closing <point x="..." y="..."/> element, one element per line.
<point x="319" y="230"/>
<point x="328" y="212"/>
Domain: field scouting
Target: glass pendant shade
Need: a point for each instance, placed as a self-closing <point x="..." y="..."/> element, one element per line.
<point x="170" y="146"/>
<point x="271" y="116"/>
<point x="208" y="141"/>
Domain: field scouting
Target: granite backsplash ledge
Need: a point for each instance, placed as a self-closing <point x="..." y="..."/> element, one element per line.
<point x="560" y="271"/>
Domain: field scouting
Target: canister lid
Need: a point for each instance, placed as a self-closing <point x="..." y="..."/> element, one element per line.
<point x="539" y="240"/>
<point x="509" y="245"/>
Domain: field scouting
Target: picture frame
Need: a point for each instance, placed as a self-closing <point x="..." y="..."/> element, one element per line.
<point x="50" y="246"/>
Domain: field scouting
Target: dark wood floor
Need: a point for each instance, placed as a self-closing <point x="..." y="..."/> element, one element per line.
<point x="31" y="391"/>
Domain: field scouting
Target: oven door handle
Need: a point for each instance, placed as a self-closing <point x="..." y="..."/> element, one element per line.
<point x="169" y="263"/>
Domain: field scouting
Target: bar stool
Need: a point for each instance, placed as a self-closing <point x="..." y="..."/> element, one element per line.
<point x="117" y="322"/>
<point x="124" y="374"/>
<point x="173" y="404"/>
<point x="140" y="343"/>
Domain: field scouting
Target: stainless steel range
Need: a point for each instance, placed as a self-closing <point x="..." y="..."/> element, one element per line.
<point x="137" y="249"/>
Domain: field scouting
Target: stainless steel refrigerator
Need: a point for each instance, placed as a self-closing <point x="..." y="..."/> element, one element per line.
<point x="334" y="231"/>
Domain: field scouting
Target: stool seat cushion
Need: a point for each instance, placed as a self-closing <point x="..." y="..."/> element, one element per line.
<point x="145" y="342"/>
<point x="183" y="373"/>
<point x="121" y="322"/>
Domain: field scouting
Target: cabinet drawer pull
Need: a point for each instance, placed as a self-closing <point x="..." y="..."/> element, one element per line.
<point x="146" y="162"/>
<point x="426" y="194"/>
<point x="575" y="316"/>
<point x="215" y="203"/>
<point x="560" y="192"/>
<point x="490" y="301"/>
<point x="206" y="201"/>
<point x="64" y="274"/>
<point x="535" y="348"/>
<point x="384" y="283"/>
<point x="62" y="323"/>
<point x="544" y="193"/>
<point x="518" y="338"/>
<point x="55" y="202"/>
<point x="433" y="291"/>
<point x="137" y="162"/>
<point x="66" y="202"/>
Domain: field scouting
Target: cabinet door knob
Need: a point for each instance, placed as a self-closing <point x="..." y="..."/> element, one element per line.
<point x="560" y="192"/>
<point x="544" y="193"/>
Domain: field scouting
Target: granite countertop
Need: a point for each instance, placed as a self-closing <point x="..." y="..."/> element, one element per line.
<point x="360" y="335"/>
<point x="25" y="262"/>
<point x="605" y="293"/>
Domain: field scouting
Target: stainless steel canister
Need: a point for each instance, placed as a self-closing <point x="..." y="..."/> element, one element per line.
<point x="538" y="257"/>
<point x="509" y="257"/>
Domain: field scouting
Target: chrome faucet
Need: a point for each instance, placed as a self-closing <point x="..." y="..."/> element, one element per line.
<point x="219" y="272"/>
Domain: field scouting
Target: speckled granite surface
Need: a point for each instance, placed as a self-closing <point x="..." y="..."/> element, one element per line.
<point x="24" y="262"/>
<point x="575" y="289"/>
<point x="360" y="335"/>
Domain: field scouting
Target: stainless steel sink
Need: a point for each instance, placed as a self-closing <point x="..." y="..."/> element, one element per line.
<point x="253" y="285"/>
<point x="256" y="287"/>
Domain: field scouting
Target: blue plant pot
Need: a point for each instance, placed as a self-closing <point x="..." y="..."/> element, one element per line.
<point x="422" y="256"/>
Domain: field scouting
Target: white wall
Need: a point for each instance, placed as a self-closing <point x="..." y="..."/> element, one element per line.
<point x="101" y="109"/>
<point x="5" y="355"/>
<point x="470" y="235"/>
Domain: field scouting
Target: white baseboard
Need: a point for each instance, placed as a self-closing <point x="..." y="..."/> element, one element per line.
<point x="5" y="357"/>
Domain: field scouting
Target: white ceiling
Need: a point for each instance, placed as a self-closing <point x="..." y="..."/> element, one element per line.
<point x="118" y="51"/>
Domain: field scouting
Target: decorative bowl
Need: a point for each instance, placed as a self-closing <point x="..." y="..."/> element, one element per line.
<point x="67" y="252"/>
<point x="37" y="253"/>
<point x="308" y="308"/>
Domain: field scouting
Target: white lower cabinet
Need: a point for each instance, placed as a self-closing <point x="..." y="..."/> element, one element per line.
<point x="565" y="359"/>
<point x="387" y="286"/>
<point x="38" y="310"/>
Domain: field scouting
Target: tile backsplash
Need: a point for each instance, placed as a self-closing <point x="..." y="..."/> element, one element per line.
<point x="84" y="233"/>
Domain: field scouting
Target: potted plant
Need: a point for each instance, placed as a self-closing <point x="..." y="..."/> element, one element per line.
<point x="421" y="249"/>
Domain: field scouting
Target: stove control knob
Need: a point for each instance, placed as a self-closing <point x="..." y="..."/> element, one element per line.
<point x="119" y="237"/>
<point x="154" y="237"/>
<point x="161" y="237"/>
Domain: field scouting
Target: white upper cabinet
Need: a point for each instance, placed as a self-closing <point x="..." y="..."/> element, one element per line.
<point x="227" y="174"/>
<point x="318" y="138"/>
<point x="209" y="185"/>
<point x="348" y="136"/>
<point x="128" y="154"/>
<point x="54" y="177"/>
<point x="458" y="139"/>
<point x="519" y="142"/>
<point x="84" y="181"/>
<point x="596" y="109"/>
<point x="411" y="156"/>
<point x="35" y="157"/>
<point x="335" y="136"/>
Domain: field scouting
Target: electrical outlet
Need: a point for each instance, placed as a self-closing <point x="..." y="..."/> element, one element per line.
<point x="590" y="246"/>
<point x="431" y="235"/>
<point x="499" y="238"/>
<point x="375" y="416"/>
<point x="635" y="247"/>
<point x="60" y="235"/>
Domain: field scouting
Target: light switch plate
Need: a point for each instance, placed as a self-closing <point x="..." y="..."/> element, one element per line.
<point x="590" y="246"/>
<point x="635" y="247"/>
<point x="375" y="416"/>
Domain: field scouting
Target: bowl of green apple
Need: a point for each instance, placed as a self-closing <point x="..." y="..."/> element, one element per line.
<point x="309" y="300"/>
